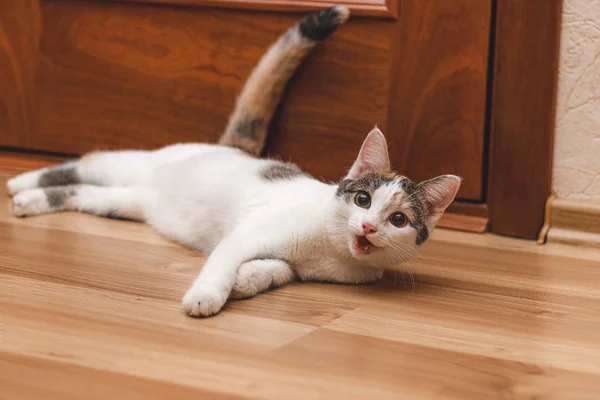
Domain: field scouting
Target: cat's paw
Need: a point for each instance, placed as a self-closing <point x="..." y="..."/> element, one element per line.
<point x="204" y="300"/>
<point x="320" y="24"/>
<point x="29" y="202"/>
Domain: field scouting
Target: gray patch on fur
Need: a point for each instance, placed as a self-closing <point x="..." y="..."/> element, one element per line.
<point x="419" y="209"/>
<point x="422" y="230"/>
<point x="114" y="214"/>
<point x="57" y="196"/>
<point x="59" y="176"/>
<point x="277" y="171"/>
<point x="249" y="128"/>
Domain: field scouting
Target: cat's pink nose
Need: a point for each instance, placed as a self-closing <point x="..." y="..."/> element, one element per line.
<point x="368" y="228"/>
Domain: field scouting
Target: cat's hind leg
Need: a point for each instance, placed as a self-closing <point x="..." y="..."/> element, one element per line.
<point x="111" y="168"/>
<point x="257" y="276"/>
<point x="112" y="202"/>
<point x="62" y="174"/>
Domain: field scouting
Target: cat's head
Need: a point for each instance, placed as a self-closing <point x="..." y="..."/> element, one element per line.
<point x="383" y="217"/>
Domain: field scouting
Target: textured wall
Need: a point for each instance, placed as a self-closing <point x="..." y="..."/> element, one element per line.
<point x="577" y="146"/>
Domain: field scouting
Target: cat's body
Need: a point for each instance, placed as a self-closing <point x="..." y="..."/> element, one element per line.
<point x="264" y="222"/>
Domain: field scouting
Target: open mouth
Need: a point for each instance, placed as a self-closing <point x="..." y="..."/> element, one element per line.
<point x="362" y="243"/>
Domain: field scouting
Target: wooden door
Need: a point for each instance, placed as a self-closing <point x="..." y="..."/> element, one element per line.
<point x="124" y="74"/>
<point x="91" y="74"/>
<point x="20" y="29"/>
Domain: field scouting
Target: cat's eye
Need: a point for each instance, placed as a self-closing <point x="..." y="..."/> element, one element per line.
<point x="362" y="199"/>
<point x="398" y="220"/>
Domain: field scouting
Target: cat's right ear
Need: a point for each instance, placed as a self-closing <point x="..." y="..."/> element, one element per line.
<point x="373" y="156"/>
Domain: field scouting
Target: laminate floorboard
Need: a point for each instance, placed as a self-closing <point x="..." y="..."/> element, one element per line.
<point x="89" y="309"/>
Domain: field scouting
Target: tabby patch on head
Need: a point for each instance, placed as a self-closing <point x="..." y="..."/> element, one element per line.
<point x="418" y="206"/>
<point x="369" y="182"/>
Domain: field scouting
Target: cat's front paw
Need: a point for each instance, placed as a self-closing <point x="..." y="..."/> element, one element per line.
<point x="204" y="300"/>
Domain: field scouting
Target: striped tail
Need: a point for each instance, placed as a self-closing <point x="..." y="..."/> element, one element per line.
<point x="248" y="124"/>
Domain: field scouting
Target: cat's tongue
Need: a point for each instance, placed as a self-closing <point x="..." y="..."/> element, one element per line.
<point x="363" y="244"/>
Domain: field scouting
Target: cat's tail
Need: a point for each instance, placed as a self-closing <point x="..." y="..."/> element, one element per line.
<point x="248" y="124"/>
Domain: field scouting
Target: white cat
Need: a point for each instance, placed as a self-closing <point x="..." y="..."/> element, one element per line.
<point x="264" y="222"/>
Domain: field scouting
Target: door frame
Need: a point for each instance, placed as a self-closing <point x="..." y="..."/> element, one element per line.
<point x="521" y="104"/>
<point x="520" y="121"/>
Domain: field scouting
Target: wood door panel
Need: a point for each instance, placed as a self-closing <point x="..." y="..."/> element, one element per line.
<point x="122" y="75"/>
<point x="523" y="117"/>
<point x="438" y="95"/>
<point x="20" y="25"/>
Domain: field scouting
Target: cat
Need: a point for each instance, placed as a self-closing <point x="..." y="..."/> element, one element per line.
<point x="264" y="223"/>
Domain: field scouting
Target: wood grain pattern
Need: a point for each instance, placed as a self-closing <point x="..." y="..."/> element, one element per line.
<point x="147" y="76"/>
<point x="58" y="380"/>
<point x="20" y="27"/>
<point x="371" y="8"/>
<point x="524" y="100"/>
<point x="438" y="90"/>
<point x="90" y="309"/>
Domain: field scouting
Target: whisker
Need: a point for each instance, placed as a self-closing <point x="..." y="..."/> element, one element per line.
<point x="401" y="252"/>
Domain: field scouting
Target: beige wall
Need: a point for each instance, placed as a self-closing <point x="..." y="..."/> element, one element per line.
<point x="577" y="147"/>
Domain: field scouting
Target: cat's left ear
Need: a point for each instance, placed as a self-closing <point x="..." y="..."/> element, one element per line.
<point x="438" y="193"/>
<point x="373" y="156"/>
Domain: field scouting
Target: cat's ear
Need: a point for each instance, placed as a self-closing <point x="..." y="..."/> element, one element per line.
<point x="438" y="193"/>
<point x="373" y="156"/>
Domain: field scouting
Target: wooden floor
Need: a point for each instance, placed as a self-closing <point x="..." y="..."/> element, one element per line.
<point x="89" y="309"/>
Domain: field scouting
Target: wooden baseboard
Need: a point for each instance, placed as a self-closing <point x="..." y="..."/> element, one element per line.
<point x="465" y="216"/>
<point x="463" y="222"/>
<point x="575" y="222"/>
<point x="17" y="162"/>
